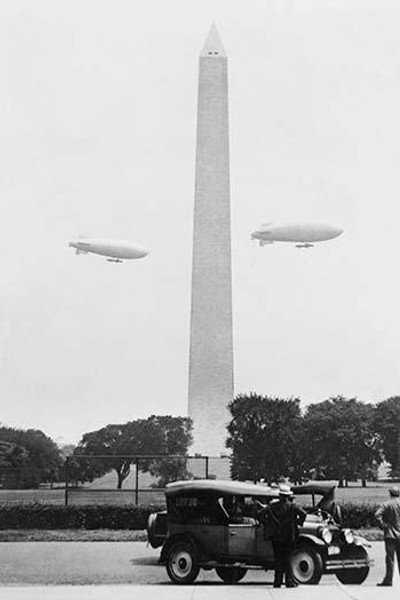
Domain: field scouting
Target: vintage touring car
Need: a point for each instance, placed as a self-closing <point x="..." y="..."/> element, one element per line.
<point x="211" y="524"/>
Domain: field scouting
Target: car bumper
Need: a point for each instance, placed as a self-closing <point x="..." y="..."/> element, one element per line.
<point x="337" y="564"/>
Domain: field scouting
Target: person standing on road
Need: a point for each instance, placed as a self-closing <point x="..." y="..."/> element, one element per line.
<point x="388" y="517"/>
<point x="283" y="519"/>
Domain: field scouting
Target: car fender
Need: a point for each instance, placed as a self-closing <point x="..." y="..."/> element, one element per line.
<point x="179" y="537"/>
<point x="361" y="541"/>
<point x="309" y="538"/>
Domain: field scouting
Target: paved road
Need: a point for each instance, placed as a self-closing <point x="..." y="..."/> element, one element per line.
<point x="88" y="563"/>
<point x="129" y="571"/>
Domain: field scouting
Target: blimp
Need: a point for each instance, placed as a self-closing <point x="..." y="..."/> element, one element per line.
<point x="115" y="251"/>
<point x="303" y="235"/>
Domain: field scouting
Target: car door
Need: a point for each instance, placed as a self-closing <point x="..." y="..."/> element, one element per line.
<point x="211" y="538"/>
<point x="263" y="548"/>
<point x="241" y="539"/>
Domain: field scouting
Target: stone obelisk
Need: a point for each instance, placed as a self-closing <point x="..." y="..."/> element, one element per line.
<point x="211" y="343"/>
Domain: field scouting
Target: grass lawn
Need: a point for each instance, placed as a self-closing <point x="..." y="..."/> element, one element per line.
<point x="107" y="535"/>
<point x="79" y="496"/>
<point x="374" y="493"/>
<point x="72" y="535"/>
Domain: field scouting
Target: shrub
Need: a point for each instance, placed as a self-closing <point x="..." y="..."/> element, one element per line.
<point x="45" y="516"/>
<point x="358" y="516"/>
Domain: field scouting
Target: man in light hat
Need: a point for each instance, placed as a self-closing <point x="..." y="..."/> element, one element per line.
<point x="388" y="517"/>
<point x="283" y="520"/>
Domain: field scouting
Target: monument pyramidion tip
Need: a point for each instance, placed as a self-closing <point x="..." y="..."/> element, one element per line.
<point x="213" y="47"/>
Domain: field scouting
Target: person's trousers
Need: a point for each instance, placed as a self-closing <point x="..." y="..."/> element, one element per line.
<point x="392" y="547"/>
<point x="282" y="553"/>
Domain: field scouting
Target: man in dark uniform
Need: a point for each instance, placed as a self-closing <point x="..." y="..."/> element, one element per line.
<point x="388" y="517"/>
<point x="282" y="521"/>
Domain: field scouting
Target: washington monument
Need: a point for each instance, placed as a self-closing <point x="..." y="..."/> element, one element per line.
<point x="211" y="344"/>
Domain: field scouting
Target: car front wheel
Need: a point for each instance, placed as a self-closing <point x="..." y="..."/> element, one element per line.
<point x="231" y="574"/>
<point x="306" y="566"/>
<point x="182" y="563"/>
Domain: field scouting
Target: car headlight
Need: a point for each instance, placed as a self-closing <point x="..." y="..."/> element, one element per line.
<point x="326" y="535"/>
<point x="348" y="536"/>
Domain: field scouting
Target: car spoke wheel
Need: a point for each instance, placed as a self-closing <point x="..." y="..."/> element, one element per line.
<point x="182" y="563"/>
<point x="357" y="575"/>
<point x="231" y="574"/>
<point x="306" y="566"/>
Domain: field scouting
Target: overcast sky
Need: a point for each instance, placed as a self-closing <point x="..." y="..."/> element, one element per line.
<point x="98" y="121"/>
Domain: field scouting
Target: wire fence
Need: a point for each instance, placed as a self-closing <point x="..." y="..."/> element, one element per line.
<point x="125" y="479"/>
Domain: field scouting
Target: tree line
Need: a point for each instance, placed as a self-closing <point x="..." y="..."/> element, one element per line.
<point x="269" y="438"/>
<point x="339" y="438"/>
<point x="28" y="458"/>
<point x="156" y="435"/>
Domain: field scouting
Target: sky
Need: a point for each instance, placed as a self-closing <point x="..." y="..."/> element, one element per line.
<point x="98" y="120"/>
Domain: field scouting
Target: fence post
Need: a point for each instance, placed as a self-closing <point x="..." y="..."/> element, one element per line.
<point x="66" y="481"/>
<point x="137" y="482"/>
<point x="207" y="458"/>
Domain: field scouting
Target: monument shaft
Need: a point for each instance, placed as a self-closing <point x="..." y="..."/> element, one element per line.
<point x="211" y="343"/>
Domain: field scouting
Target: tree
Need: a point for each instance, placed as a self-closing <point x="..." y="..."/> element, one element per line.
<point x="6" y="449"/>
<point x="342" y="443"/>
<point x="262" y="436"/>
<point x="176" y="437"/>
<point x="387" y="425"/>
<point x="33" y="457"/>
<point x="12" y="464"/>
<point x="112" y="441"/>
<point x="154" y="435"/>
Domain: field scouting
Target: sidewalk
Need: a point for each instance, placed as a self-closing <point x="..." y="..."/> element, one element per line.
<point x="200" y="592"/>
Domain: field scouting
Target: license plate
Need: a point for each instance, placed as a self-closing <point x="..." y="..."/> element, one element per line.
<point x="333" y="550"/>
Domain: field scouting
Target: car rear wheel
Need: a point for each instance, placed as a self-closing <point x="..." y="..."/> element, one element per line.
<point x="306" y="566"/>
<point x="182" y="563"/>
<point x="354" y="576"/>
<point x="231" y="574"/>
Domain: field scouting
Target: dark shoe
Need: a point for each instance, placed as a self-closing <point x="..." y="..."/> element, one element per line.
<point x="277" y="585"/>
<point x="291" y="584"/>
<point x="384" y="584"/>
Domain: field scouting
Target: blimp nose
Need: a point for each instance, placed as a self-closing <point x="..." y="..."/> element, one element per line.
<point x="332" y="231"/>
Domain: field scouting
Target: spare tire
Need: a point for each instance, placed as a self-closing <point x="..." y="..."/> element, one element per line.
<point x="156" y="529"/>
<point x="354" y="576"/>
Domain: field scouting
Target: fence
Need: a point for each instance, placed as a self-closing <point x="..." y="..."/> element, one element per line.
<point x="126" y="479"/>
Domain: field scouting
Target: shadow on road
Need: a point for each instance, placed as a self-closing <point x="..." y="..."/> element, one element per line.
<point x="145" y="561"/>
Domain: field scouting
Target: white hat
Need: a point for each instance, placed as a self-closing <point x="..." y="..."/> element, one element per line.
<point x="284" y="490"/>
